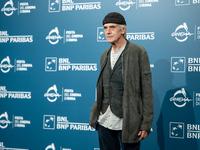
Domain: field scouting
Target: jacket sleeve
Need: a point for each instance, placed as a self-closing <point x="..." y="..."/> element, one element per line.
<point x="146" y="93"/>
<point x="93" y="116"/>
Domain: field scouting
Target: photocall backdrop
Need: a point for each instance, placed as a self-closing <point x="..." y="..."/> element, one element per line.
<point x="49" y="65"/>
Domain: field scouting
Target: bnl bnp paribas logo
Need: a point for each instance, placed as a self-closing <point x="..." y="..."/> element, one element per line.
<point x="67" y="94"/>
<point x="6" y="38"/>
<point x="136" y="36"/>
<point x="63" y="64"/>
<point x="69" y="36"/>
<point x="185" y="2"/>
<point x="23" y="7"/>
<point x="51" y="122"/>
<point x="19" y="65"/>
<point x="70" y="5"/>
<point x="14" y="94"/>
<point x="177" y="130"/>
<point x="178" y="64"/>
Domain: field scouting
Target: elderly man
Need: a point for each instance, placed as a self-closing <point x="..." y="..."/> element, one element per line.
<point x="123" y="111"/>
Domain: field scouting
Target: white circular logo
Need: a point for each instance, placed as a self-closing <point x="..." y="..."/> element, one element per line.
<point x="180" y="98"/>
<point x="5" y="65"/>
<point x="9" y="8"/>
<point x="52" y="97"/>
<point x="124" y="5"/>
<point x="181" y="33"/>
<point x="54" y="36"/>
<point x="4" y="123"/>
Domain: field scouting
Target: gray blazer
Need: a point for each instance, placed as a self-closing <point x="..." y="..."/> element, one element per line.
<point x="138" y="92"/>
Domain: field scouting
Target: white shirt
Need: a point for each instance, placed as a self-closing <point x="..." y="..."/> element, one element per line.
<point x="108" y="119"/>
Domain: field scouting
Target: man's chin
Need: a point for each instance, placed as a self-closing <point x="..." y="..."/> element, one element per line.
<point x="110" y="41"/>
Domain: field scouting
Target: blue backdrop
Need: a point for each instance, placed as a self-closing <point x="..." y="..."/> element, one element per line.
<point x="49" y="64"/>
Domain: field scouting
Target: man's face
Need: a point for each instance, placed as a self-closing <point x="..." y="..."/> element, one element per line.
<point x="113" y="32"/>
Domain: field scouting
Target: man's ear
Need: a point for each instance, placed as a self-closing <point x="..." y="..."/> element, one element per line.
<point x="124" y="29"/>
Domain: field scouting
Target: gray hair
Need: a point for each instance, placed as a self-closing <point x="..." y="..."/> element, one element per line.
<point x="121" y="27"/>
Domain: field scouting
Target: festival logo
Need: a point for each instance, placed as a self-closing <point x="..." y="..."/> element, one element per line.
<point x="20" y="65"/>
<point x="69" y="36"/>
<point x="6" y="65"/>
<point x="18" y="121"/>
<point x="4" y="122"/>
<point x="180" y="98"/>
<point x="177" y="130"/>
<point x="9" y="8"/>
<point x="52" y="94"/>
<point x="54" y="36"/>
<point x="125" y="5"/>
<point x="181" y="33"/>
<point x="67" y="94"/>
<point x="23" y="7"/>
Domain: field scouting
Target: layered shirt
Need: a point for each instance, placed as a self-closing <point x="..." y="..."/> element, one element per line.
<point x="108" y="119"/>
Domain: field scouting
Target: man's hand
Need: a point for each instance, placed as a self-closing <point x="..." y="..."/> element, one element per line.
<point x="143" y="135"/>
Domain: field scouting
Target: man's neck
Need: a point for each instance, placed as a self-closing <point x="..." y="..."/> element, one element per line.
<point x="118" y="44"/>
